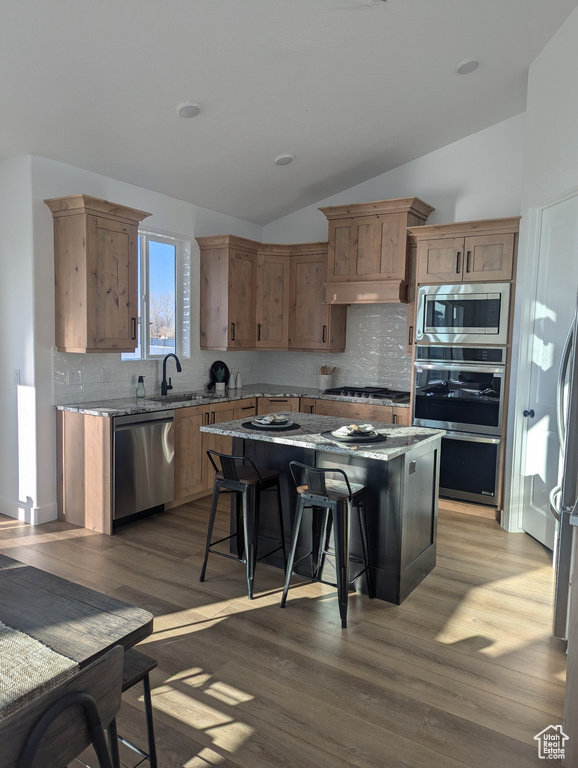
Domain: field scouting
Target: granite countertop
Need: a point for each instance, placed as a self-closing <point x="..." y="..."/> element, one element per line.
<point x="398" y="440"/>
<point x="131" y="405"/>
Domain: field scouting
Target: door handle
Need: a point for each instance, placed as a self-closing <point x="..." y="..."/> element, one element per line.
<point x="133" y="323"/>
<point x="213" y="417"/>
<point x="410" y="336"/>
<point x="324" y="335"/>
<point x="529" y="413"/>
<point x="458" y="255"/>
<point x="258" y="331"/>
<point x="468" y="261"/>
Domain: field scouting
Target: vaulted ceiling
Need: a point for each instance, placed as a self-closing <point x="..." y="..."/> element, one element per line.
<point x="351" y="88"/>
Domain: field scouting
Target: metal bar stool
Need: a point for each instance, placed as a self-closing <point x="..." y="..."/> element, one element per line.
<point x="317" y="491"/>
<point x="239" y="475"/>
<point x="136" y="667"/>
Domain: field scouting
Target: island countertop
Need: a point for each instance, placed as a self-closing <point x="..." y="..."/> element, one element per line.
<point x="309" y="434"/>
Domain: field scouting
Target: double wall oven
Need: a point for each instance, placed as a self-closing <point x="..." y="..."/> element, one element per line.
<point x="459" y="385"/>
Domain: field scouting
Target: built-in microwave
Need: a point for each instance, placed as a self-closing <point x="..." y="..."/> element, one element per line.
<point x="466" y="313"/>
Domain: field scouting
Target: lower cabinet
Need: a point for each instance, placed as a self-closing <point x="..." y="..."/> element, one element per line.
<point x="276" y="404"/>
<point x="194" y="474"/>
<point x="385" y="414"/>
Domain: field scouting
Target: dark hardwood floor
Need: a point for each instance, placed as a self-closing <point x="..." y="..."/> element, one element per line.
<point x="464" y="673"/>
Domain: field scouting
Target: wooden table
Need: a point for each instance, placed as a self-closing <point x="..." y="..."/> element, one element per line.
<point x="72" y="620"/>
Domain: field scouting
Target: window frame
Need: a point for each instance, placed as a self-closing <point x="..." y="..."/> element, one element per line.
<point x="182" y="296"/>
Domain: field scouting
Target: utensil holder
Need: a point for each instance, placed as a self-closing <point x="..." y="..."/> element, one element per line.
<point x="325" y="380"/>
<point x="220" y="388"/>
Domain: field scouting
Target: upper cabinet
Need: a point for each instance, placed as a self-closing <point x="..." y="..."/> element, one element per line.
<point x="313" y="324"/>
<point x="470" y="251"/>
<point x="266" y="296"/>
<point x="368" y="250"/>
<point x="228" y="291"/>
<point x="272" y="300"/>
<point x="96" y="271"/>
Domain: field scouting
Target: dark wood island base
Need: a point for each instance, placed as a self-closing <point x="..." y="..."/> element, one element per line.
<point x="401" y="476"/>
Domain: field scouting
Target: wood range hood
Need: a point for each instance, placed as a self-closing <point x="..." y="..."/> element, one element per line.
<point x="368" y="259"/>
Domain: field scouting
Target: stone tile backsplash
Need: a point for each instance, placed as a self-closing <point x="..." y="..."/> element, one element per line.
<point x="375" y="355"/>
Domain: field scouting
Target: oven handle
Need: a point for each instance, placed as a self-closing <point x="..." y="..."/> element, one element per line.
<point x="473" y="438"/>
<point x="457" y="367"/>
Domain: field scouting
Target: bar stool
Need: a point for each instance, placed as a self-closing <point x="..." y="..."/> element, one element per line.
<point x="338" y="497"/>
<point x="136" y="668"/>
<point x="239" y="475"/>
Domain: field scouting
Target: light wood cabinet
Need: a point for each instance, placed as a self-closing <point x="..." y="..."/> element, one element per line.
<point x="307" y="404"/>
<point x="384" y="414"/>
<point x="266" y="296"/>
<point x="273" y="269"/>
<point x="313" y="324"/>
<point x="189" y="453"/>
<point x="277" y="405"/>
<point x="368" y="259"/>
<point x="228" y="291"/>
<point x="194" y="474"/>
<point x="474" y="251"/>
<point x="95" y="271"/>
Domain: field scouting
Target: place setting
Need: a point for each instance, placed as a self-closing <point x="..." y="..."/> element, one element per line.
<point x="272" y="421"/>
<point x="355" y="433"/>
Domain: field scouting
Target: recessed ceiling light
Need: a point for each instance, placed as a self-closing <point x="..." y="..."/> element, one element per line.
<point x="284" y="159"/>
<point x="188" y="109"/>
<point x="467" y="66"/>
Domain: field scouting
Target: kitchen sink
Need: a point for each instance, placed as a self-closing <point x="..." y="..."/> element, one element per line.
<point x="179" y="397"/>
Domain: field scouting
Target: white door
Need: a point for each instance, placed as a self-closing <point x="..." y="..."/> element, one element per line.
<point x="553" y="310"/>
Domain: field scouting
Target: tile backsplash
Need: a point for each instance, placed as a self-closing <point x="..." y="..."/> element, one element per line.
<point x="375" y="355"/>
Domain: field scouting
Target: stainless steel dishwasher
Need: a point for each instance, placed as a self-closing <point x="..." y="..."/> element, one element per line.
<point x="143" y="448"/>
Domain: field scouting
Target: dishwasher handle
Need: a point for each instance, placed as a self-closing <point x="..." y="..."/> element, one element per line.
<point x="143" y="419"/>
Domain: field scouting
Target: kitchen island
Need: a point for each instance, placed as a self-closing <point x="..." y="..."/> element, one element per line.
<point x="401" y="476"/>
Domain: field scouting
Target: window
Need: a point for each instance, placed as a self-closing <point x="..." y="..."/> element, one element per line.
<point x="164" y="303"/>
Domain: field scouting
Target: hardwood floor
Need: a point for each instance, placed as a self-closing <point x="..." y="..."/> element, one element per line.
<point x="464" y="673"/>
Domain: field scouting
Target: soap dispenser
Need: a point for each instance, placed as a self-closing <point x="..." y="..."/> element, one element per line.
<point x="140" y="387"/>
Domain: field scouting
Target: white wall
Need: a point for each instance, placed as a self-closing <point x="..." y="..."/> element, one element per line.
<point x="479" y="177"/>
<point x="550" y="170"/>
<point x="551" y="156"/>
<point x="17" y="322"/>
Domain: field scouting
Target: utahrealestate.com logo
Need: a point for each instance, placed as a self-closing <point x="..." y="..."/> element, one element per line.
<point x="551" y="743"/>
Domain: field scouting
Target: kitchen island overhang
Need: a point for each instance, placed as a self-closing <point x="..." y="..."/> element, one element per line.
<point x="401" y="475"/>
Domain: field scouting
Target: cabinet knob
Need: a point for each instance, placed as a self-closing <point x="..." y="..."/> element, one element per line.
<point x="529" y="413"/>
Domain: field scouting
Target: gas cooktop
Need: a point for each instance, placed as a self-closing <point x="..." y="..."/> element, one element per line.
<point x="377" y="393"/>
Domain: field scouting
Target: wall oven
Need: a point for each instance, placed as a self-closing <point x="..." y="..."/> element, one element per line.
<point x="461" y="390"/>
<point x="465" y="313"/>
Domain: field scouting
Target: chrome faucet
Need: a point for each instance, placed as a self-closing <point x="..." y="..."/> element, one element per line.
<point x="164" y="386"/>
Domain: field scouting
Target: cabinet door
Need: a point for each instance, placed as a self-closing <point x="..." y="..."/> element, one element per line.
<point x="307" y="404"/>
<point x="489" y="257"/>
<point x="367" y="248"/>
<point x="246" y="408"/>
<point x="381" y="248"/>
<point x="440" y="260"/>
<point x="242" y="280"/>
<point x="313" y="324"/>
<point x="112" y="285"/>
<point x="189" y="454"/>
<point x="366" y="411"/>
<point x="277" y="405"/>
<point x="401" y="416"/>
<point x="272" y="301"/>
<point x="217" y="412"/>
